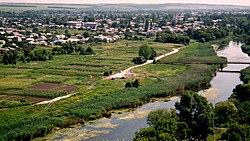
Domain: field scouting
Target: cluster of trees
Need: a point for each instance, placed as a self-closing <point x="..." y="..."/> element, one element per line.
<point x="107" y="73"/>
<point x="131" y="37"/>
<point x="10" y="57"/>
<point x="196" y="119"/>
<point x="25" y="55"/>
<point x="205" y="35"/>
<point x="71" y="47"/>
<point x="145" y="53"/>
<point x="135" y="83"/>
<point x="168" y="37"/>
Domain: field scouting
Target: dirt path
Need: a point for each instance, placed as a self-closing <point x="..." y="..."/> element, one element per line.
<point x="55" y="99"/>
<point x="128" y="70"/>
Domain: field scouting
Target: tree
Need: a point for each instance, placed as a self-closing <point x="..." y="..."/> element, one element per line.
<point x="225" y="113"/>
<point x="128" y="85"/>
<point x="67" y="33"/>
<point x="145" y="51"/>
<point x="89" y="50"/>
<point x="106" y="73"/>
<point x="241" y="92"/>
<point x="197" y="113"/>
<point x="237" y="132"/>
<point x="136" y="83"/>
<point x="153" y="54"/>
<point x="10" y="57"/>
<point x="139" y="60"/>
<point x="163" y="126"/>
<point x="115" y="25"/>
<point x="85" y="34"/>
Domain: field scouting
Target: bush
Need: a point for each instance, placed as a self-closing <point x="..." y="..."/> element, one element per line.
<point x="139" y="60"/>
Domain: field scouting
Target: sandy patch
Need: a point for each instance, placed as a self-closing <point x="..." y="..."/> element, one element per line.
<point x="77" y="135"/>
<point x="105" y="125"/>
<point x="174" y="98"/>
<point x="137" y="115"/>
<point x="211" y="93"/>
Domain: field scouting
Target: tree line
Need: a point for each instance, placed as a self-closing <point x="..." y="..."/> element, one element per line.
<point x="26" y="55"/>
<point x="71" y="47"/>
<point x="205" y="35"/>
<point x="168" y="37"/>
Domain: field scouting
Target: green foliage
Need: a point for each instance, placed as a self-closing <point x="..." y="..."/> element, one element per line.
<point x="242" y="92"/>
<point x="237" y="132"/>
<point x="197" y="113"/>
<point x="11" y="104"/>
<point x="145" y="53"/>
<point x="225" y="113"/>
<point x="29" y="128"/>
<point x="205" y="35"/>
<point x="246" y="48"/>
<point x="107" y="73"/>
<point x="172" y="38"/>
<point x="85" y="34"/>
<point x="10" y="57"/>
<point x="135" y="83"/>
<point x="163" y="126"/>
<point x="139" y="60"/>
<point x="194" y="120"/>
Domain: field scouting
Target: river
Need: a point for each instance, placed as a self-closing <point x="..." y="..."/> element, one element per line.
<point x="123" y="126"/>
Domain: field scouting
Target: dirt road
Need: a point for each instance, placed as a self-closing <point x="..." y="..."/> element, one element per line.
<point x="128" y="70"/>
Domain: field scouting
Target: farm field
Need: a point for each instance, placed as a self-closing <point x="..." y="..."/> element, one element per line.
<point x="69" y="73"/>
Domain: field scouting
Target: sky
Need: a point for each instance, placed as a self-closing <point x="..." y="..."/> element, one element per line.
<point x="230" y="2"/>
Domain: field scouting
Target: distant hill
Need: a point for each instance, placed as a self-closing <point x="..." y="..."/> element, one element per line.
<point x="170" y="6"/>
<point x="123" y="7"/>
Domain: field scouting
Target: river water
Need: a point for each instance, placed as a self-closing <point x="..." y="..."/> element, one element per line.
<point x="123" y="126"/>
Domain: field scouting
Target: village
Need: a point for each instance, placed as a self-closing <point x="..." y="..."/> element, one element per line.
<point x="27" y="31"/>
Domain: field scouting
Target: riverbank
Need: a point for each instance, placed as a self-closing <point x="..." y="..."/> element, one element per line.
<point x="30" y="122"/>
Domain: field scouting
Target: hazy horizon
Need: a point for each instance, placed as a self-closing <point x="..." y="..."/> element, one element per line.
<point x="225" y="2"/>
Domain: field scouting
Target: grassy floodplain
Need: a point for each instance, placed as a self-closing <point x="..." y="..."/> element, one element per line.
<point x="157" y="80"/>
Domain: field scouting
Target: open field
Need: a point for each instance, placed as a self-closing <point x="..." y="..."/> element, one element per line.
<point x="197" y="53"/>
<point x="70" y="72"/>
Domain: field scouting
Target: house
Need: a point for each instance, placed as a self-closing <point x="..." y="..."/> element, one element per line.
<point x="2" y="50"/>
<point x="75" y="24"/>
<point x="2" y="42"/>
<point x="91" y="25"/>
<point x="73" y="39"/>
<point x="57" y="42"/>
